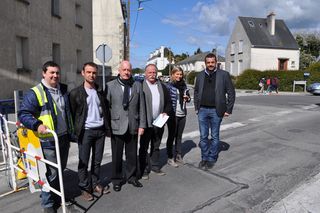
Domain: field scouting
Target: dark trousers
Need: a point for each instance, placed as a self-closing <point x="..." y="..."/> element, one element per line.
<point x="118" y="142"/>
<point x="151" y="135"/>
<point x="50" y="199"/>
<point x="175" y="129"/>
<point x="92" y="139"/>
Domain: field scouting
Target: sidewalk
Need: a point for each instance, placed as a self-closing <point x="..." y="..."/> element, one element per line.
<point x="304" y="199"/>
<point x="255" y="92"/>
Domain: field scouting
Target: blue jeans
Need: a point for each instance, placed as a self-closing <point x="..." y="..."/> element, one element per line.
<point x="50" y="199"/>
<point x="208" y="119"/>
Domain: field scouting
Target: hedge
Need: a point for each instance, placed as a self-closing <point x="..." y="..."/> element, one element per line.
<point x="249" y="79"/>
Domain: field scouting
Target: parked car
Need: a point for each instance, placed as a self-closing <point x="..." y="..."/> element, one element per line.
<point x="138" y="77"/>
<point x="314" y="88"/>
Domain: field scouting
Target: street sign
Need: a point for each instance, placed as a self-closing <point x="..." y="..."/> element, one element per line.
<point x="103" y="53"/>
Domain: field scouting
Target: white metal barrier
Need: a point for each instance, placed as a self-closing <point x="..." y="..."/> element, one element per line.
<point x="5" y="139"/>
<point x="3" y="162"/>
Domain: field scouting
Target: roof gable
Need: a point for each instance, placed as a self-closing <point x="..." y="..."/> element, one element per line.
<point x="199" y="57"/>
<point x="259" y="36"/>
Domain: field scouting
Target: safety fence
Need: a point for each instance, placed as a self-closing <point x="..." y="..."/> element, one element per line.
<point x="30" y="161"/>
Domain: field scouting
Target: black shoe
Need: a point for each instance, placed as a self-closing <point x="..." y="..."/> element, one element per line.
<point x="210" y="164"/>
<point x="135" y="183"/>
<point x="117" y="187"/>
<point x="49" y="210"/>
<point x="203" y="165"/>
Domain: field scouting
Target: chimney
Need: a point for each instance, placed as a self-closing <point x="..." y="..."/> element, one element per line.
<point x="271" y="22"/>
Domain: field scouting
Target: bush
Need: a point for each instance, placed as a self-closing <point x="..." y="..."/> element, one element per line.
<point x="314" y="67"/>
<point x="249" y="79"/>
<point x="191" y="77"/>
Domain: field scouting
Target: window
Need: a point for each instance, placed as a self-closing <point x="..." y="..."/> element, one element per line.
<point x="79" y="61"/>
<point x="231" y="67"/>
<point x="240" y="46"/>
<point x="78" y="16"/>
<point x="55" y="8"/>
<point x="293" y="64"/>
<point x="239" y="67"/>
<point x="56" y="53"/>
<point x="25" y="1"/>
<point x="251" y="24"/>
<point x="22" y="53"/>
<point x="232" y="48"/>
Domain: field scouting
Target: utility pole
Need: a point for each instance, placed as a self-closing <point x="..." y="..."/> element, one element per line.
<point x="128" y="32"/>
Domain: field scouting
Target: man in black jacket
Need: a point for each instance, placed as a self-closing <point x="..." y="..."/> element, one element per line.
<point x="211" y="104"/>
<point x="91" y="123"/>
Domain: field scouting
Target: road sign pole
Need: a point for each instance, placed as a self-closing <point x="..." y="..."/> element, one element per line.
<point x="103" y="69"/>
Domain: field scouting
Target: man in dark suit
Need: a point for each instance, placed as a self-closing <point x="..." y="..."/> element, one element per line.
<point x="127" y="110"/>
<point x="211" y="105"/>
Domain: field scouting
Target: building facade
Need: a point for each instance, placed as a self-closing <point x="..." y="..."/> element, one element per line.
<point x="196" y="62"/>
<point x="109" y="28"/>
<point x="262" y="44"/>
<point x="33" y="32"/>
<point x="157" y="58"/>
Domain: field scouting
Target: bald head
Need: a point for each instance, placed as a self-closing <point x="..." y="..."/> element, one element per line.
<point x="125" y="70"/>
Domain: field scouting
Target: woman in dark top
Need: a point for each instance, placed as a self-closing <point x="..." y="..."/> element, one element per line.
<point x="179" y="97"/>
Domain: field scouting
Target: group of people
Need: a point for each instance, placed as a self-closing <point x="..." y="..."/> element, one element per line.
<point x="125" y="111"/>
<point x="271" y="83"/>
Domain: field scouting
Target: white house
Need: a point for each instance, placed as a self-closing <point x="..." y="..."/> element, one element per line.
<point x="196" y="62"/>
<point x="157" y="58"/>
<point x="263" y="44"/>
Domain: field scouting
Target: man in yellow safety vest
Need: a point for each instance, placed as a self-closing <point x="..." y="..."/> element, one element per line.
<point x="46" y="106"/>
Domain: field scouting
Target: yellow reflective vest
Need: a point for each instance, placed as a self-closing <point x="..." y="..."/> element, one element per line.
<point x="45" y="114"/>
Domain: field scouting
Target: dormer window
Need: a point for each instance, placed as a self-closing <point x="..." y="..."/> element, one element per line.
<point x="251" y="24"/>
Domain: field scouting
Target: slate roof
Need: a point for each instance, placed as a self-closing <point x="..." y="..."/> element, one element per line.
<point x="259" y="36"/>
<point x="198" y="57"/>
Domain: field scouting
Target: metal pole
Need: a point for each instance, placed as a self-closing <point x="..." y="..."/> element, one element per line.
<point x="128" y="32"/>
<point x="103" y="68"/>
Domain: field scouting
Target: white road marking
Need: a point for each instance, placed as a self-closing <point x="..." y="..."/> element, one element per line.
<point x="312" y="106"/>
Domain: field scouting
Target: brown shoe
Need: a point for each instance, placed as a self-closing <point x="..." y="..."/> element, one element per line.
<point x="86" y="196"/>
<point x="101" y="190"/>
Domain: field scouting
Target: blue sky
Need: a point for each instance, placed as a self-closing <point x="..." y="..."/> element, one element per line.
<point x="185" y="25"/>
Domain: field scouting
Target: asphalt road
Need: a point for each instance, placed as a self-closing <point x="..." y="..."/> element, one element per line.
<point x="272" y="147"/>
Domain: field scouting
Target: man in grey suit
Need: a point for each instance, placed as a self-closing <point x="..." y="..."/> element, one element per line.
<point x="127" y="111"/>
<point x="211" y="105"/>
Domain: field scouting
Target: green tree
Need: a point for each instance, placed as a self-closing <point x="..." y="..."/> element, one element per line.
<point x="178" y="58"/>
<point x="198" y="51"/>
<point x="309" y="48"/>
<point x="169" y="54"/>
<point x="137" y="71"/>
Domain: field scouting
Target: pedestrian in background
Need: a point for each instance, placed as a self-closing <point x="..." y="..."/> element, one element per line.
<point x="261" y="84"/>
<point x="157" y="104"/>
<point x="211" y="105"/>
<point x="91" y="123"/>
<point x="179" y="94"/>
<point x="46" y="106"/>
<point x="127" y="109"/>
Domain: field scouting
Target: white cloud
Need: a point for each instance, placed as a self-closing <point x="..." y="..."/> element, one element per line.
<point x="218" y="17"/>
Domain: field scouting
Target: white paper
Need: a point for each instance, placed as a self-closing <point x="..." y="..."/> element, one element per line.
<point x="160" y="120"/>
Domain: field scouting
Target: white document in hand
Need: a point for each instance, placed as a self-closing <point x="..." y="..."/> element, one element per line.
<point x="160" y="120"/>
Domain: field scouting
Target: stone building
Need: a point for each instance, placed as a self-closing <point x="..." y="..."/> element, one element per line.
<point x="35" y="31"/>
<point x="109" y="27"/>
